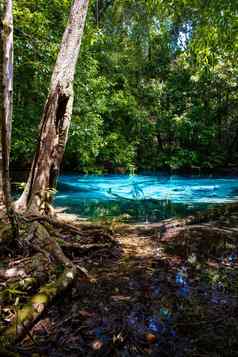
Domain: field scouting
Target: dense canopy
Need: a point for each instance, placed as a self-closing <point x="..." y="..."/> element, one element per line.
<point x="156" y="84"/>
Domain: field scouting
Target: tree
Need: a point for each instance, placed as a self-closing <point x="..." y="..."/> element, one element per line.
<point x="6" y="97"/>
<point x="56" y="118"/>
<point x="1" y="101"/>
<point x="156" y="77"/>
<point x="45" y="167"/>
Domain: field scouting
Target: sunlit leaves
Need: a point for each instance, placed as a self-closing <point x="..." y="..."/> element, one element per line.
<point x="155" y="87"/>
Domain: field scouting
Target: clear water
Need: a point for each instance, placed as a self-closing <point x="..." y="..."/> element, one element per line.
<point x="142" y="198"/>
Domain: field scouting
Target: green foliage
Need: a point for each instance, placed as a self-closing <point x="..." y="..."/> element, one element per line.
<point x="156" y="85"/>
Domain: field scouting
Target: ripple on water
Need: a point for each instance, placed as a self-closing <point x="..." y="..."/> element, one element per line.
<point x="142" y="197"/>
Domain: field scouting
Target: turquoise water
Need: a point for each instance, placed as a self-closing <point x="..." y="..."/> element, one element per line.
<point x="142" y="198"/>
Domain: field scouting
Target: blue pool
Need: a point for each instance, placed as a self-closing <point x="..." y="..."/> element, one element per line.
<point x="142" y="198"/>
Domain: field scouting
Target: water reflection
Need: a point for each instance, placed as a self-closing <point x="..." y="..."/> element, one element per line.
<point x="182" y="282"/>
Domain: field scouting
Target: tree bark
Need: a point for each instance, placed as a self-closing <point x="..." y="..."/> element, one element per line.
<point x="55" y="122"/>
<point x="1" y="100"/>
<point x="6" y="100"/>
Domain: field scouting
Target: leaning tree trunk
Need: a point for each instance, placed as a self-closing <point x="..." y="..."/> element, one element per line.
<point x="6" y="95"/>
<point x="36" y="197"/>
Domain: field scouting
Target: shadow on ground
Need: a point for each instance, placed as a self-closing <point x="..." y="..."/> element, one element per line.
<point x="153" y="294"/>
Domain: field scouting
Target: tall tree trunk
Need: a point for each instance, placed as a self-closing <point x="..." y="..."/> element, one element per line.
<point x="6" y="95"/>
<point x="55" y="122"/>
<point x="1" y="100"/>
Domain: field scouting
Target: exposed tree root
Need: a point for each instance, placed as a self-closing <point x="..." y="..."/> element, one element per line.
<point x="26" y="316"/>
<point x="42" y="236"/>
<point x="213" y="230"/>
<point x="5" y="233"/>
<point x="18" y="286"/>
<point x="85" y="247"/>
<point x="201" y="229"/>
<point x="55" y="223"/>
<point x="160" y="228"/>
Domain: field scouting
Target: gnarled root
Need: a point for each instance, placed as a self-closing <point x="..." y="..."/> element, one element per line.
<point x="30" y="312"/>
<point x="27" y="315"/>
<point x="5" y="234"/>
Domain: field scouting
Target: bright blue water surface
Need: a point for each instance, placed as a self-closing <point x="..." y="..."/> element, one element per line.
<point x="142" y="198"/>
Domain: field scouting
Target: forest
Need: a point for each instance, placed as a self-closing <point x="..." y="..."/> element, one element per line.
<point x="118" y="178"/>
<point x="155" y="88"/>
